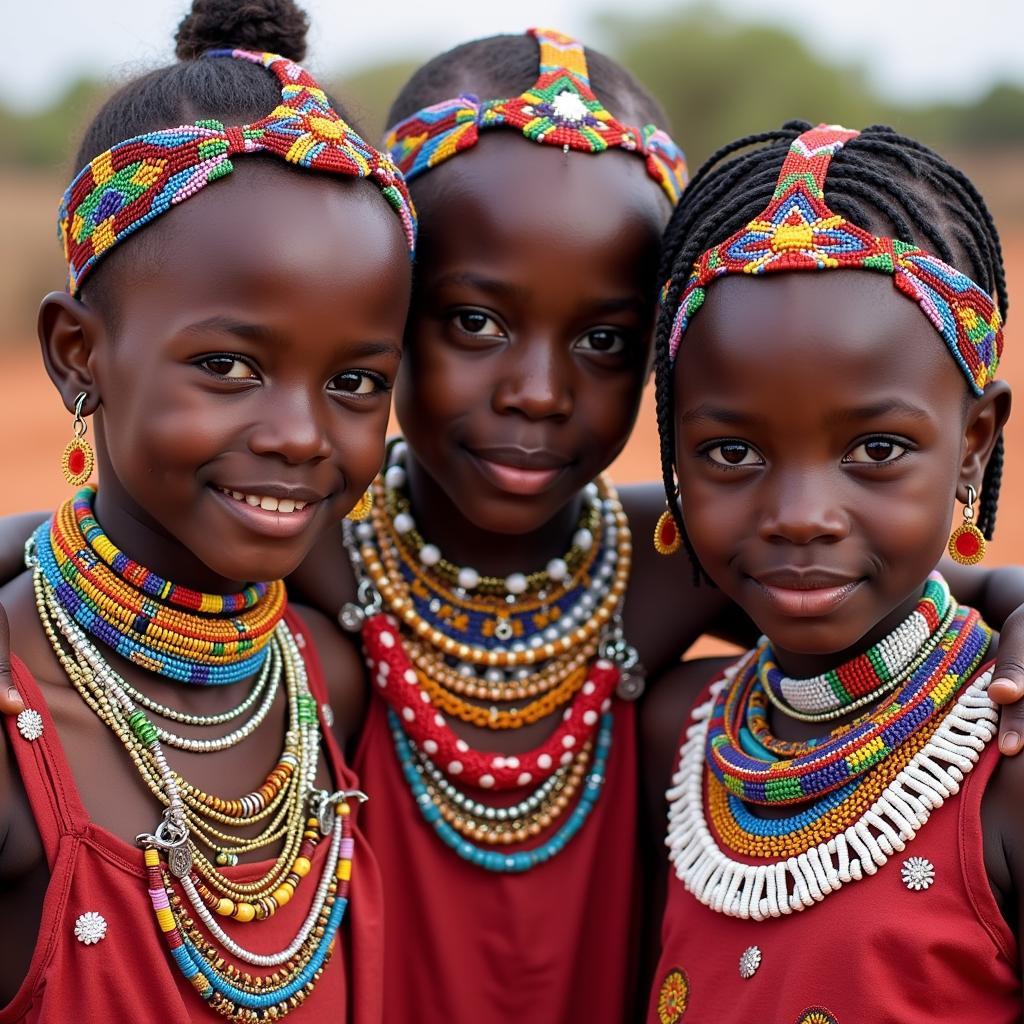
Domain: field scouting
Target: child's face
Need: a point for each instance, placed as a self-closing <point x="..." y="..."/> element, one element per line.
<point x="253" y="355"/>
<point x="530" y="329"/>
<point x="821" y="431"/>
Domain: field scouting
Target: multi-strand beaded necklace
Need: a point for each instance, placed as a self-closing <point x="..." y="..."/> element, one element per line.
<point x="201" y="833"/>
<point x="865" y="789"/>
<point x="440" y="638"/>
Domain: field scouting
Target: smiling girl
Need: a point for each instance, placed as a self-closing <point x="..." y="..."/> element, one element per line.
<point x="177" y="815"/>
<point x="844" y="842"/>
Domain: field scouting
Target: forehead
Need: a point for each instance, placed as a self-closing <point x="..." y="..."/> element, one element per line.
<point x="507" y="190"/>
<point x="816" y="337"/>
<point x="264" y="233"/>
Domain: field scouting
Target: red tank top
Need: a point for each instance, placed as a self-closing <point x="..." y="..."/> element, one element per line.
<point x="875" y="951"/>
<point x="129" y="975"/>
<point x="464" y="945"/>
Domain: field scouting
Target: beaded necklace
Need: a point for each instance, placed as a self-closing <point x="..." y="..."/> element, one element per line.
<point x="96" y="583"/>
<point x="563" y="653"/>
<point x="865" y="678"/>
<point x="201" y="832"/>
<point x="850" y="829"/>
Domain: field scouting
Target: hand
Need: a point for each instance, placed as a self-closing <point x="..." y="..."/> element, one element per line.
<point x="1007" y="687"/>
<point x="10" y="702"/>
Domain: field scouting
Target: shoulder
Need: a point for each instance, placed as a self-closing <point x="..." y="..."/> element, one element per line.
<point x="665" y="611"/>
<point x="325" y="579"/>
<point x="665" y="713"/>
<point x="341" y="661"/>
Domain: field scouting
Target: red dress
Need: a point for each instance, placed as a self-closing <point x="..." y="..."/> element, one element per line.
<point x="464" y="945"/>
<point x="129" y="974"/>
<point x="874" y="952"/>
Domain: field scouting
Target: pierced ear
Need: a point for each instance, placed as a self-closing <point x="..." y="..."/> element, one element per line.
<point x="68" y="334"/>
<point x="985" y="423"/>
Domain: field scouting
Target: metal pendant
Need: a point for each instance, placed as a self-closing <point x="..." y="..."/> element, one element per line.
<point x="179" y="860"/>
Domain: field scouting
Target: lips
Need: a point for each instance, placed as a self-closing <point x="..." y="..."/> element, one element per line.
<point x="806" y="593"/>
<point x="273" y="510"/>
<point x="522" y="471"/>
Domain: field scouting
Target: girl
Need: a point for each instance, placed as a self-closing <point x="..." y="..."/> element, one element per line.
<point x="236" y="415"/>
<point x="820" y="427"/>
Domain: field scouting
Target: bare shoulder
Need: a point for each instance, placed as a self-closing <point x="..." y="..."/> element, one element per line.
<point x="341" y="659"/>
<point x="325" y="579"/>
<point x="664" y="714"/>
<point x="665" y="610"/>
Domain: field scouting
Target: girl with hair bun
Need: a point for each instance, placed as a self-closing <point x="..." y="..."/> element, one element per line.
<point x="182" y="838"/>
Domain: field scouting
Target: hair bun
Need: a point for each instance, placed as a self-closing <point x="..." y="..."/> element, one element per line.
<point x="274" y="26"/>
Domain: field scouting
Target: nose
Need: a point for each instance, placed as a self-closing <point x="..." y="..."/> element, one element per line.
<point x="803" y="507"/>
<point x="536" y="382"/>
<point x="292" y="426"/>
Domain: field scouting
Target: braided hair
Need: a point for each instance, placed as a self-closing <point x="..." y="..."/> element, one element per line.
<point x="880" y="180"/>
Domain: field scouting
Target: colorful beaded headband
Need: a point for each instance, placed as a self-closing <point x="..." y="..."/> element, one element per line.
<point x="559" y="109"/>
<point x="798" y="231"/>
<point x="135" y="181"/>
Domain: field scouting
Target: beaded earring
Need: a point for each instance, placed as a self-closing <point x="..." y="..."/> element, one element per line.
<point x="967" y="542"/>
<point x="78" y="460"/>
<point x="362" y="508"/>
<point x="667" y="540"/>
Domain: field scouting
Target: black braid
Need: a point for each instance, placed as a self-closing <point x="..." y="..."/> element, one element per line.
<point x="881" y="180"/>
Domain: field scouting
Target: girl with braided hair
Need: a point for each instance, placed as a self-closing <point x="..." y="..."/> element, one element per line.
<point x="844" y="842"/>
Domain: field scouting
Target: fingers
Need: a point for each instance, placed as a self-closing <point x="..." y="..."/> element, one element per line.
<point x="1007" y="687"/>
<point x="10" y="702"/>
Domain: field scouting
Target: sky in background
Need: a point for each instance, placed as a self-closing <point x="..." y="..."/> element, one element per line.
<point x="914" y="49"/>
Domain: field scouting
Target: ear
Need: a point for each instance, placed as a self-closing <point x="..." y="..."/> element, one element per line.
<point x="69" y="333"/>
<point x="985" y="421"/>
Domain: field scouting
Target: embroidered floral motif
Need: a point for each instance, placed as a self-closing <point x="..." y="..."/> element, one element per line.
<point x="90" y="928"/>
<point x="750" y="961"/>
<point x="30" y="724"/>
<point x="918" y="873"/>
<point x="673" y="997"/>
<point x="816" y="1015"/>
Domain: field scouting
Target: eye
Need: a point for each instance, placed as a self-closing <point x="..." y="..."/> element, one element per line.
<point x="876" y="450"/>
<point x="733" y="453"/>
<point x="358" y="382"/>
<point x="473" y="321"/>
<point x="228" y="366"/>
<point x="602" y="340"/>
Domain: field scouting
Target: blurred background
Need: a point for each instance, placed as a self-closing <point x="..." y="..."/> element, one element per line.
<point x="948" y="73"/>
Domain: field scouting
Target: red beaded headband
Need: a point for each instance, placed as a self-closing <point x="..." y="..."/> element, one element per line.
<point x="135" y="181"/>
<point x="559" y="109"/>
<point x="798" y="231"/>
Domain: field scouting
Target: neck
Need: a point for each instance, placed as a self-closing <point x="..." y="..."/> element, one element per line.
<point x="146" y="541"/>
<point x="801" y="665"/>
<point x="441" y="522"/>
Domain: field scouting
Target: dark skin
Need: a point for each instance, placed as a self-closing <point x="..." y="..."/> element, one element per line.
<point x="227" y="366"/>
<point x="820" y="463"/>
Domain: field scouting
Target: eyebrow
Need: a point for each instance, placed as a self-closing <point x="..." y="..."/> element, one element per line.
<point x="267" y="335"/>
<point x="502" y="289"/>
<point x="881" y="408"/>
<point x="716" y="413"/>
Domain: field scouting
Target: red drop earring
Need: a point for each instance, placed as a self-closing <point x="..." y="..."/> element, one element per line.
<point x="967" y="542"/>
<point x="78" y="460"/>
<point x="667" y="539"/>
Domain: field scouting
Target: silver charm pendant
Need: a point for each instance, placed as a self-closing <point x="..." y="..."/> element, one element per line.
<point x="351" y="617"/>
<point x="30" y="724"/>
<point x="327" y="713"/>
<point x="918" y="873"/>
<point x="179" y="860"/>
<point x="749" y="962"/>
<point x="90" y="928"/>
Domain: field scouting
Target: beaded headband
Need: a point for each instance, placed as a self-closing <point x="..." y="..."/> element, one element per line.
<point x="559" y="109"/>
<point x="798" y="231"/>
<point x="136" y="180"/>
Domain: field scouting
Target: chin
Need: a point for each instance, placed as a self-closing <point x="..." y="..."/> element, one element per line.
<point x="818" y="637"/>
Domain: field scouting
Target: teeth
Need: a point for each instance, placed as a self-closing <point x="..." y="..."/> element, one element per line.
<point x="266" y="502"/>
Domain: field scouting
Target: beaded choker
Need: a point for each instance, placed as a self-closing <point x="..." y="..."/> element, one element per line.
<point x="872" y="783"/>
<point x="205" y="639"/>
<point x="798" y="231"/>
<point x="440" y="638"/>
<point x="201" y="833"/>
<point x="559" y="109"/>
<point x="139" y="179"/>
<point x="867" y="677"/>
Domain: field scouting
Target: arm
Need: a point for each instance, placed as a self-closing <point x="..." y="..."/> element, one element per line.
<point x="999" y="595"/>
<point x="14" y="531"/>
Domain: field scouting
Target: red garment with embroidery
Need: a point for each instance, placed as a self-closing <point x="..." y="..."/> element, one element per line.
<point x="464" y="945"/>
<point x="874" y="951"/>
<point x="129" y="975"/>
